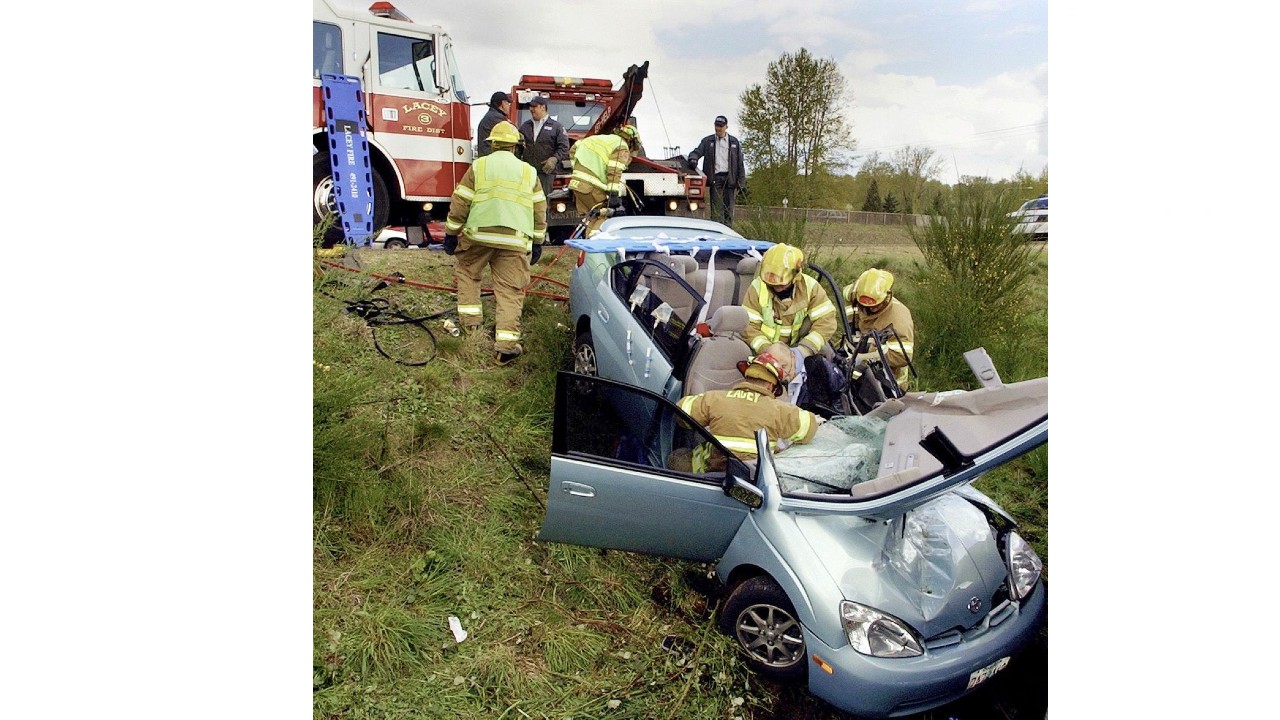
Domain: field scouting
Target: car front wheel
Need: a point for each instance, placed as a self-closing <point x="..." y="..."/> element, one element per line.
<point x="758" y="615"/>
<point x="584" y="355"/>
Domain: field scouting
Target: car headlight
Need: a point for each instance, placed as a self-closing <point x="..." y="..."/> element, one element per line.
<point x="877" y="634"/>
<point x="1024" y="566"/>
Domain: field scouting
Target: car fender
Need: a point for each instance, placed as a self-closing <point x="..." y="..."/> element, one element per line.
<point x="757" y="548"/>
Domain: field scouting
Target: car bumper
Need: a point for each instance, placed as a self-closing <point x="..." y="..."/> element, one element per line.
<point x="891" y="687"/>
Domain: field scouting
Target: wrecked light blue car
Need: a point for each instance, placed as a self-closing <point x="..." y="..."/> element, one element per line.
<point x="863" y="564"/>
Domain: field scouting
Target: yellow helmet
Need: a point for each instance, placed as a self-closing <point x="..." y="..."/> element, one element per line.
<point x="628" y="132"/>
<point x="780" y="264"/>
<point x="504" y="133"/>
<point x="872" y="287"/>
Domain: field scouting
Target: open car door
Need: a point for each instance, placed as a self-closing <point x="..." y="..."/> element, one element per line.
<point x="621" y="476"/>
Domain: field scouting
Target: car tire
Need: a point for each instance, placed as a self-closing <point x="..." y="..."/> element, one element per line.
<point x="584" y="356"/>
<point x="322" y="202"/>
<point x="760" y="618"/>
<point x="394" y="244"/>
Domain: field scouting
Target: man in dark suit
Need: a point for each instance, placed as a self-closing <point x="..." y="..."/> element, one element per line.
<point x="721" y="156"/>
<point x="546" y="144"/>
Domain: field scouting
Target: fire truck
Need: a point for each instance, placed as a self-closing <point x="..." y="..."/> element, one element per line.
<point x="591" y="106"/>
<point x="418" y="119"/>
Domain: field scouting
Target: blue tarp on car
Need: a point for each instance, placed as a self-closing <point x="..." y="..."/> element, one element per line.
<point x="604" y="243"/>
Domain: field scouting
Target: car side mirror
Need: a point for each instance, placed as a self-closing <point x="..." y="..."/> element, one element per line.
<point x="737" y="486"/>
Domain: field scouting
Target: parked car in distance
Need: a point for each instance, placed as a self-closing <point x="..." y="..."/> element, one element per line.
<point x="864" y="563"/>
<point x="1033" y="218"/>
<point x="393" y="237"/>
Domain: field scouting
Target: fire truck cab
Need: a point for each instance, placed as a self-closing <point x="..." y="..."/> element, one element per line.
<point x="416" y="112"/>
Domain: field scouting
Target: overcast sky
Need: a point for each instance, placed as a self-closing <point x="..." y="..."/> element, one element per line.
<point x="966" y="78"/>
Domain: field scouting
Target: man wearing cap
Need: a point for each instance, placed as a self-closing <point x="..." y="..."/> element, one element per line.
<point x="721" y="155"/>
<point x="733" y="415"/>
<point x="499" y="104"/>
<point x="546" y="144"/>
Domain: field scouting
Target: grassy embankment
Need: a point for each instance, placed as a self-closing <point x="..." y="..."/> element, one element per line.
<point x="428" y="491"/>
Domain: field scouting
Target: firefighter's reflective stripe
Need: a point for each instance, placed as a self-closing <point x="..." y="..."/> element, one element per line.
<point x="592" y="161"/>
<point x="701" y="457"/>
<point x="506" y="336"/>
<point x="903" y="373"/>
<point x="495" y="239"/>
<point x="470" y="311"/>
<point x="504" y="196"/>
<point x="773" y="331"/>
<point x="806" y="419"/>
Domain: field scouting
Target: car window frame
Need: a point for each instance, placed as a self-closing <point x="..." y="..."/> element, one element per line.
<point x="625" y="276"/>
<point x="561" y="443"/>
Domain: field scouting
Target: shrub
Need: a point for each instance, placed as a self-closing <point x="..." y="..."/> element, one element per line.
<point x="975" y="290"/>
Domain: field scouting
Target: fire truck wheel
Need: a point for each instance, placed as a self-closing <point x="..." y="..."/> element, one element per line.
<point x="322" y="202"/>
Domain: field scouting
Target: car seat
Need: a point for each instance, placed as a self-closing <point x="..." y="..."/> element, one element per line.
<point x="714" y="365"/>
<point x="746" y="272"/>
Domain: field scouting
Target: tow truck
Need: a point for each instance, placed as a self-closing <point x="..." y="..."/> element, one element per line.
<point x="592" y="106"/>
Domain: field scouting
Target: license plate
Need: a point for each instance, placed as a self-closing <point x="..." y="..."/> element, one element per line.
<point x="977" y="677"/>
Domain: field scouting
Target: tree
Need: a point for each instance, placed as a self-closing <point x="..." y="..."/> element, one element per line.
<point x="914" y="167"/>
<point x="872" y="203"/>
<point x="795" y="121"/>
<point x="890" y="203"/>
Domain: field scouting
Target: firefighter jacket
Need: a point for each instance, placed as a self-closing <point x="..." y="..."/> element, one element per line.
<point x="899" y="316"/>
<point x="491" y="118"/>
<point x="733" y="416"/>
<point x="806" y="320"/>
<point x="499" y="203"/>
<point x="599" y="161"/>
<point x="553" y="141"/>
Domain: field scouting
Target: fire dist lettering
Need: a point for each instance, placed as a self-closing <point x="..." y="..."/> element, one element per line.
<point x="351" y="147"/>
<point x="429" y="107"/>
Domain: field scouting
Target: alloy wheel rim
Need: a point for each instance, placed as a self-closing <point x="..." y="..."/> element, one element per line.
<point x="770" y="635"/>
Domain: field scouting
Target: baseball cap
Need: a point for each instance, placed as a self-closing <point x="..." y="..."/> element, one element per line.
<point x="499" y="97"/>
<point x="537" y="100"/>
<point x="721" y="120"/>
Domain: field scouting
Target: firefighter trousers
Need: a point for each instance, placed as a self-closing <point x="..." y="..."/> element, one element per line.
<point x="584" y="202"/>
<point x="510" y="271"/>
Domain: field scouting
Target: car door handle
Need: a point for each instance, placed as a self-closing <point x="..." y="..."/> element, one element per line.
<point x="603" y="313"/>
<point x="578" y="489"/>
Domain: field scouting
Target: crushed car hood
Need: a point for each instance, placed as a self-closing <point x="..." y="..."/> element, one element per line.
<point x="937" y="567"/>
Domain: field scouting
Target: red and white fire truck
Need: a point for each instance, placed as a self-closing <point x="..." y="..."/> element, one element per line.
<point x="418" y="121"/>
<point x="591" y="106"/>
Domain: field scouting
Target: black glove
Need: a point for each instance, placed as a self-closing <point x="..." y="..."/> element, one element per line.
<point x="614" y="201"/>
<point x="450" y="244"/>
<point x="535" y="254"/>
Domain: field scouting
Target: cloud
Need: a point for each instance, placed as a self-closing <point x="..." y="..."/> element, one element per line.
<point x="919" y="73"/>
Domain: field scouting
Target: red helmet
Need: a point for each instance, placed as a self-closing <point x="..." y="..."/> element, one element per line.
<point x="765" y="367"/>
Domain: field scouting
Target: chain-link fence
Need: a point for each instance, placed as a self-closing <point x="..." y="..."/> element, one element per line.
<point x="829" y="216"/>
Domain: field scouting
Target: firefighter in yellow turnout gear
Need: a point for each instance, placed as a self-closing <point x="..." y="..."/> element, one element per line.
<point x="785" y="305"/>
<point x="598" y="164"/>
<point x="497" y="219"/>
<point x="876" y="309"/>
<point x="733" y="415"/>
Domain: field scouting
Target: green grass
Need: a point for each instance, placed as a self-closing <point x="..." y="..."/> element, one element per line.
<point x="429" y="486"/>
